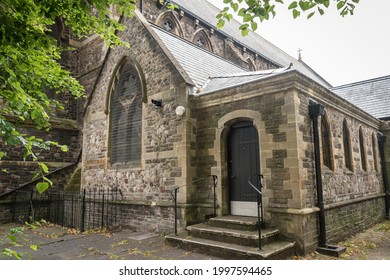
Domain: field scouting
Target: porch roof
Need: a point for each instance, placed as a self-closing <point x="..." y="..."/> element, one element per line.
<point x="228" y="81"/>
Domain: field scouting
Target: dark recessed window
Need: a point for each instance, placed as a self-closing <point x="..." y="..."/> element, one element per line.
<point x="326" y="143"/>
<point x="347" y="147"/>
<point x="374" y="152"/>
<point x="362" y="150"/>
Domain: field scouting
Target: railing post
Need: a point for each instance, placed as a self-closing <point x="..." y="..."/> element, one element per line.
<point x="259" y="203"/>
<point x="31" y="207"/>
<point x="215" y="181"/>
<point x="83" y="211"/>
<point x="175" y="198"/>
<point x="102" y="209"/>
<point x="258" y="218"/>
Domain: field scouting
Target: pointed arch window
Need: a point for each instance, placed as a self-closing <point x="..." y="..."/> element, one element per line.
<point x="362" y="150"/>
<point x="125" y="116"/>
<point x="169" y="22"/>
<point x="326" y="143"/>
<point x="347" y="147"/>
<point x="201" y="39"/>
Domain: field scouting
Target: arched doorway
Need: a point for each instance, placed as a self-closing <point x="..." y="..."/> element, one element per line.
<point x="243" y="162"/>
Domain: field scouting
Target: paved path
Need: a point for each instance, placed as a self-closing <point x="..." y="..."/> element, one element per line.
<point x="64" y="244"/>
<point x="55" y="242"/>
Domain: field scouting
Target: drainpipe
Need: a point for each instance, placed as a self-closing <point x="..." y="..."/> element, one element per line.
<point x="381" y="141"/>
<point x="316" y="110"/>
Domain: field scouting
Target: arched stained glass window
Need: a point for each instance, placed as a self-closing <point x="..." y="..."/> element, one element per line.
<point x="125" y="116"/>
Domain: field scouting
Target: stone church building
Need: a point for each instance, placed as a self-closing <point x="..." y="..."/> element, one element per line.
<point x="205" y="112"/>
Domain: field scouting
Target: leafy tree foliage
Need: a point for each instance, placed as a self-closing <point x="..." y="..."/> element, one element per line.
<point x="30" y="54"/>
<point x="253" y="11"/>
<point x="29" y="62"/>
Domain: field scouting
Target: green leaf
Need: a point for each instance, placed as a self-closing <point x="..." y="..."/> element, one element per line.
<point x="44" y="167"/>
<point x="253" y="25"/>
<point x="221" y="23"/>
<point x="42" y="186"/>
<point x="296" y="13"/>
<point x="327" y="3"/>
<point x="234" y="6"/>
<point x="12" y="238"/>
<point x="241" y="12"/>
<point x="310" y="15"/>
<point x="340" y="5"/>
<point x="293" y="5"/>
<point x="244" y="32"/>
<point x="247" y="17"/>
<point x="64" y="148"/>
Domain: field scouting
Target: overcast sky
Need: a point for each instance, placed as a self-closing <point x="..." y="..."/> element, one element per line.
<point x="341" y="50"/>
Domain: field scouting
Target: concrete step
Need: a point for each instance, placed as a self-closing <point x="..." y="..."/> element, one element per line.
<point x="235" y="222"/>
<point x="233" y="236"/>
<point x="277" y="250"/>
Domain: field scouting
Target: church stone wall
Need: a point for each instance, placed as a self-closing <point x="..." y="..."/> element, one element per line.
<point x="353" y="199"/>
<point x="146" y="200"/>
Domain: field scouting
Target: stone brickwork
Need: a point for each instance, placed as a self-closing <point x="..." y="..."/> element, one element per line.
<point x="286" y="154"/>
<point x="345" y="221"/>
<point x="353" y="199"/>
<point x="146" y="188"/>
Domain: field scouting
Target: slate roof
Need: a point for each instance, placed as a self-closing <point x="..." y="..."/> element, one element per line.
<point x="207" y="12"/>
<point x="372" y="96"/>
<point x="228" y="81"/>
<point x="199" y="63"/>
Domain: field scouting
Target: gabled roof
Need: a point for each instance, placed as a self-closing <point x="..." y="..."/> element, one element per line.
<point x="208" y="71"/>
<point x="198" y="63"/>
<point x="372" y="96"/>
<point x="207" y="12"/>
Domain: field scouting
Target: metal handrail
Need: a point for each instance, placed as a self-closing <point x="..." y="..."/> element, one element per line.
<point x="260" y="213"/>
<point x="176" y="190"/>
<point x="260" y="176"/>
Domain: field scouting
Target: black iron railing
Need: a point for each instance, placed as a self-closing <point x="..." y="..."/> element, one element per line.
<point x="259" y="193"/>
<point x="176" y="190"/>
<point x="90" y="209"/>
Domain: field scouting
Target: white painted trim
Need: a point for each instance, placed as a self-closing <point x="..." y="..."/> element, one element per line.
<point x="243" y="208"/>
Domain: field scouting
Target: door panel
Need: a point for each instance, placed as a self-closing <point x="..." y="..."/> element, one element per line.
<point x="243" y="162"/>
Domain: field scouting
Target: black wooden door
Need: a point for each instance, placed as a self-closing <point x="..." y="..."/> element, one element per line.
<point x="243" y="161"/>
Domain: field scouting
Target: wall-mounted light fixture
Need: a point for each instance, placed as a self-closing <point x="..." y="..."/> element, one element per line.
<point x="157" y="103"/>
<point x="180" y="110"/>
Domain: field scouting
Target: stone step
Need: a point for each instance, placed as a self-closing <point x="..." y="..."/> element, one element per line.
<point x="233" y="236"/>
<point x="277" y="250"/>
<point x="235" y="222"/>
